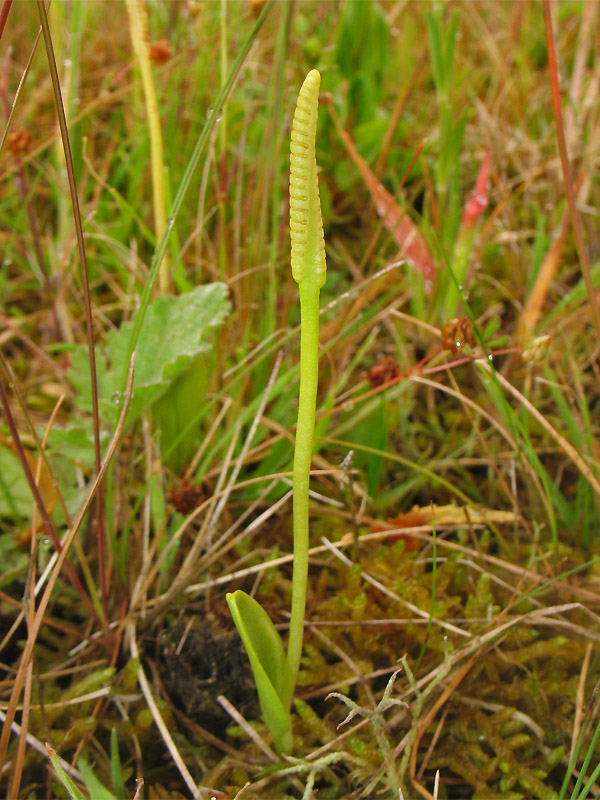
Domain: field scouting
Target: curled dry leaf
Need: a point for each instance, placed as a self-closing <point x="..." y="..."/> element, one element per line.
<point x="478" y="200"/>
<point x="395" y="218"/>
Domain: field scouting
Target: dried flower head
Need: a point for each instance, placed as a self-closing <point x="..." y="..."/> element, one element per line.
<point x="185" y="497"/>
<point x="160" y="52"/>
<point x="256" y="6"/>
<point x="457" y="333"/>
<point x="18" y="142"/>
<point x="384" y="371"/>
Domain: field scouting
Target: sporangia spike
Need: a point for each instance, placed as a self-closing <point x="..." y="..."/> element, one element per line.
<point x="306" y="225"/>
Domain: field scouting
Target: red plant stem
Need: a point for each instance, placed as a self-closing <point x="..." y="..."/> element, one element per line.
<point x="64" y="132"/>
<point x="34" y="629"/>
<point x="48" y="525"/>
<point x="418" y="370"/>
<point x="4" y="14"/>
<point x="411" y="164"/>
<point x="21" y="179"/>
<point x="566" y="169"/>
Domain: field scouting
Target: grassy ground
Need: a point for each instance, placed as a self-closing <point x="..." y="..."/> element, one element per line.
<point x="453" y="589"/>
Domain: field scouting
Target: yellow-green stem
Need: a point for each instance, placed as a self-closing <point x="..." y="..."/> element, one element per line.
<point x="138" y="26"/>
<point x="308" y="270"/>
<point x="309" y="376"/>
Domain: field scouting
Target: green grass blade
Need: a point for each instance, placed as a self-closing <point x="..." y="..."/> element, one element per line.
<point x="115" y="763"/>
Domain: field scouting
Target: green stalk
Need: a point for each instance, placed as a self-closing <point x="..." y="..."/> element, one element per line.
<point x="276" y="671"/>
<point x="308" y="269"/>
<point x="309" y="375"/>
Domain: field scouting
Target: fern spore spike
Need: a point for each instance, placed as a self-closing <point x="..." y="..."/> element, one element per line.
<point x="308" y="269"/>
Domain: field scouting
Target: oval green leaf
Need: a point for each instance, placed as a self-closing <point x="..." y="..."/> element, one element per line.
<point x="267" y="659"/>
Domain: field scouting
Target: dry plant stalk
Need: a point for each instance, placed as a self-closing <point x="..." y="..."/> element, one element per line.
<point x="138" y="27"/>
<point x="45" y="600"/>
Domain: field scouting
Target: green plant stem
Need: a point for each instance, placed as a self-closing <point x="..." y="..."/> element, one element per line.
<point x="309" y="377"/>
<point x="308" y="270"/>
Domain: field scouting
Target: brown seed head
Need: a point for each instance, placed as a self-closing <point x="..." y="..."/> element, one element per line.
<point x="457" y="333"/>
<point x="385" y="370"/>
<point x="160" y="52"/>
<point x="18" y="142"/>
<point x="185" y="497"/>
<point x="256" y="6"/>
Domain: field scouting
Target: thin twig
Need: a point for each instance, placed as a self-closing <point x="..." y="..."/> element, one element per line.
<point x="41" y="748"/>
<point x="565" y="445"/>
<point x="378" y="585"/>
<point x="39" y="501"/>
<point x="566" y="168"/>
<point x="580" y="699"/>
<point x="60" y="560"/>
<point x="160" y="723"/>
<point x="248" y="729"/>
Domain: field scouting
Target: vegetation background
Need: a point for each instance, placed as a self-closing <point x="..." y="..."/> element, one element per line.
<point x="453" y="589"/>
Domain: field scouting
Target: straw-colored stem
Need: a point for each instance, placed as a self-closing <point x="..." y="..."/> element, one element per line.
<point x="138" y="26"/>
